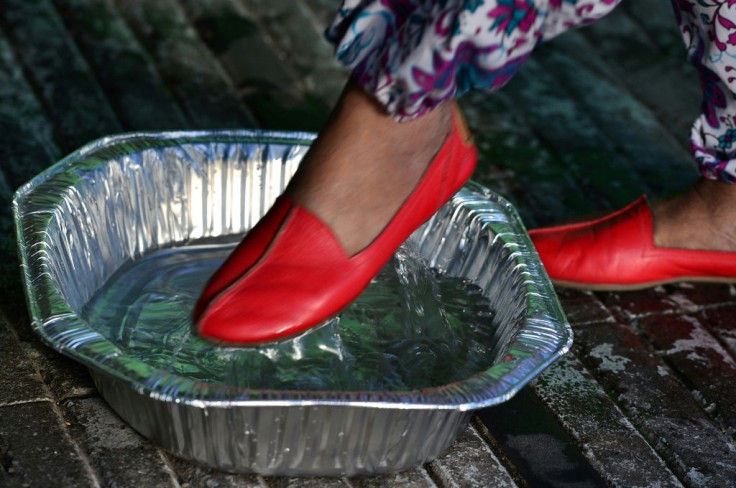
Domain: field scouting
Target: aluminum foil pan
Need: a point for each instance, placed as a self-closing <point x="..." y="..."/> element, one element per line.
<point x="123" y="201"/>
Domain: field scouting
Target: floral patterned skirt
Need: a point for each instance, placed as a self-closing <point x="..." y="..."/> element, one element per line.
<point x="414" y="54"/>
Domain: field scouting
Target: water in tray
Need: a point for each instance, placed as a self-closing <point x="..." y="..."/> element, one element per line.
<point x="412" y="328"/>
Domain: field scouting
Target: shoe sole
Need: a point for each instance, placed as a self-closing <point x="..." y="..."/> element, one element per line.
<point x="640" y="286"/>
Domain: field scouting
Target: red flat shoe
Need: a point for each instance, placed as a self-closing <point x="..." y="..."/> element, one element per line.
<point x="290" y="273"/>
<point x="617" y="252"/>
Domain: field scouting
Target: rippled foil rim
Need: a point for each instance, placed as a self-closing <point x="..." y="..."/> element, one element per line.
<point x="544" y="336"/>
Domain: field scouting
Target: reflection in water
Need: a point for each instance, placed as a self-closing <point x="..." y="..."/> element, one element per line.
<point x="410" y="329"/>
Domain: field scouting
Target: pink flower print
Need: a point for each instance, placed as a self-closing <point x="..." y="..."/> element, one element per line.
<point x="684" y="6"/>
<point x="511" y="15"/>
<point x="724" y="29"/>
<point x="442" y="75"/>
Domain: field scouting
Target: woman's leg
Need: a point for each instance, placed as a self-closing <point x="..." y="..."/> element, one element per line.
<point x="363" y="166"/>
<point x="412" y="55"/>
<point x="682" y="238"/>
<point x="409" y="58"/>
<point x="703" y="218"/>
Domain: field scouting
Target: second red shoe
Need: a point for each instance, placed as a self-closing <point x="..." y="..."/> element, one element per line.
<point x="290" y="273"/>
<point x="617" y="252"/>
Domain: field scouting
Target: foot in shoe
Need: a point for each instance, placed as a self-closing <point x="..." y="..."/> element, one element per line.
<point x="364" y="165"/>
<point x="366" y="184"/>
<point x="700" y="218"/>
<point x="686" y="238"/>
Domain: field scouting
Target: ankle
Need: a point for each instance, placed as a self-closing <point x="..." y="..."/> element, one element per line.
<point x="363" y="166"/>
<point x="700" y="218"/>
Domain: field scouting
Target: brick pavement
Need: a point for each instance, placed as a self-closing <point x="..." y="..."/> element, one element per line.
<point x="595" y="118"/>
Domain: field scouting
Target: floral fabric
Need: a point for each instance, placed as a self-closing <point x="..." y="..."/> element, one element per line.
<point x="709" y="30"/>
<point x="414" y="54"/>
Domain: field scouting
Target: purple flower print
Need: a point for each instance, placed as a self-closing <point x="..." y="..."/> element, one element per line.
<point x="723" y="28"/>
<point x="713" y="96"/>
<point x="412" y="54"/>
<point x="442" y="76"/>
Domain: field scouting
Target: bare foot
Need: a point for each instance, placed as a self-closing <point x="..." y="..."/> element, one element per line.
<point x="703" y="218"/>
<point x="364" y="165"/>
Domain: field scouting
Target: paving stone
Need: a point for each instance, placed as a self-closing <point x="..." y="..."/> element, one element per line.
<point x="671" y="420"/>
<point x="19" y="379"/>
<point x="676" y="298"/>
<point x="549" y="155"/>
<point x="5" y="189"/>
<point x="693" y="296"/>
<point x="615" y="447"/>
<point x="4" y="477"/>
<point x="607" y="178"/>
<point x="626" y="306"/>
<point x="657" y="19"/>
<point x="16" y="313"/>
<point x="12" y="301"/>
<point x="545" y="191"/>
<point x="661" y="160"/>
<point x="583" y="307"/>
<point x="65" y="377"/>
<point x="59" y="74"/>
<point x="720" y="321"/>
<point x="669" y="86"/>
<point x="470" y="463"/>
<point x="316" y="482"/>
<point x="324" y="10"/>
<point x="125" y="71"/>
<point x="36" y="449"/>
<point x="298" y="33"/>
<point x="230" y="31"/>
<point x="192" y="475"/>
<point x="417" y="478"/>
<point x="537" y="449"/>
<point x="119" y="454"/>
<point x="198" y="82"/>
<point x="699" y="360"/>
<point x="254" y="66"/>
<point x="27" y="146"/>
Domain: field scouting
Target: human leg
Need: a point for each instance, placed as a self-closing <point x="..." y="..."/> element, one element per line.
<point x="702" y="218"/>
<point x="363" y="166"/>
<point x="690" y="236"/>
<point x="412" y="55"/>
<point x="364" y="163"/>
<point x="412" y="58"/>
<point x="292" y="272"/>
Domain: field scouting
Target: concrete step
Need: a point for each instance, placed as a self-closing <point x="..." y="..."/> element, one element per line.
<point x="660" y="407"/>
<point x="199" y="83"/>
<point x="123" y="68"/>
<point x="254" y="66"/>
<point x="60" y="76"/>
<point x="608" y="438"/>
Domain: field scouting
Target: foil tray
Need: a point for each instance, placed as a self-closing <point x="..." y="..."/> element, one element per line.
<point x="121" y="198"/>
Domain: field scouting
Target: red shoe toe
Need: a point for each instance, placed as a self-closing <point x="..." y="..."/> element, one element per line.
<point x="290" y="273"/>
<point x="303" y="279"/>
<point x="245" y="254"/>
<point x="617" y="252"/>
